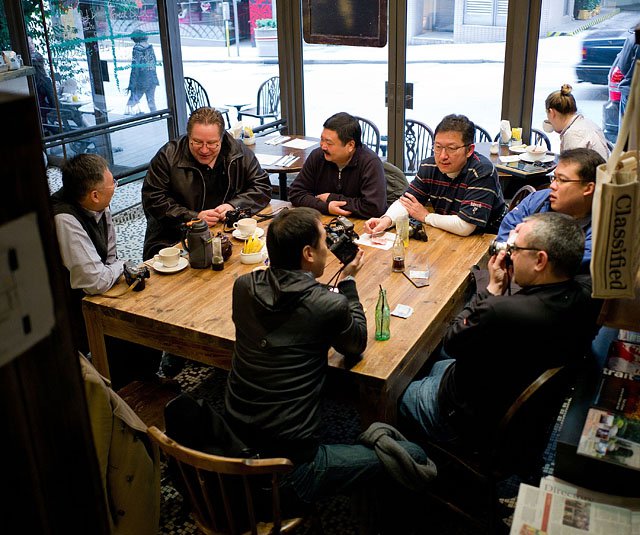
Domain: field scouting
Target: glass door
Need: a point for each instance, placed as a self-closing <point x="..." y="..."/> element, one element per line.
<point x="99" y="79"/>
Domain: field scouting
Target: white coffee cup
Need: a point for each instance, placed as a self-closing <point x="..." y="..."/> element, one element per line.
<point x="536" y="152"/>
<point x="246" y="226"/>
<point x="169" y="256"/>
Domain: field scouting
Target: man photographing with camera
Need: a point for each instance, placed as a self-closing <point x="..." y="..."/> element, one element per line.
<point x="499" y="344"/>
<point x="285" y="323"/>
<point x="201" y="175"/>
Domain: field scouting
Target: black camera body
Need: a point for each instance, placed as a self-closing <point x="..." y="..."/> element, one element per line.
<point x="233" y="216"/>
<point x="341" y="238"/>
<point x="133" y="273"/>
<point x="416" y="230"/>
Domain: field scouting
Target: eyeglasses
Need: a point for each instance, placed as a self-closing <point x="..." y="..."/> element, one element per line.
<point x="437" y="149"/>
<point x="561" y="180"/>
<point x="199" y="144"/>
<point x="514" y="247"/>
<point x="115" y="185"/>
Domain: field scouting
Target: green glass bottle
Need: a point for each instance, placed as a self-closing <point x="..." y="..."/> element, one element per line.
<point x="383" y="316"/>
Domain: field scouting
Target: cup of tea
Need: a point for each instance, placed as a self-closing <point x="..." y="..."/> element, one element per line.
<point x="169" y="256"/>
<point x="246" y="227"/>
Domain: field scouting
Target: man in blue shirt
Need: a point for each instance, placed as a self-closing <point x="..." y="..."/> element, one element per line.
<point x="571" y="192"/>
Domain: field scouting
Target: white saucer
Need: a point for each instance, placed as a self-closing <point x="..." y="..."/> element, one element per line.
<point x="518" y="150"/>
<point x="545" y="159"/>
<point x="258" y="234"/>
<point x="182" y="263"/>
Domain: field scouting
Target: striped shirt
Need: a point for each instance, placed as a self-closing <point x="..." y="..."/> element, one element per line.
<point x="475" y="195"/>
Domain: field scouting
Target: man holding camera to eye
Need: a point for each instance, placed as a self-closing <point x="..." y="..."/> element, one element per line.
<point x="203" y="174"/>
<point x="499" y="344"/>
<point x="87" y="240"/>
<point x="342" y="177"/>
<point x="571" y="192"/>
<point x="461" y="185"/>
<point x="285" y="323"/>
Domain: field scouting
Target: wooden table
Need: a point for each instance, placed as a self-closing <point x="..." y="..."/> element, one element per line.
<point x="279" y="150"/>
<point x="189" y="314"/>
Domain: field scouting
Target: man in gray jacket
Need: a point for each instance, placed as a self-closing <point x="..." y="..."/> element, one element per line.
<point x="203" y="175"/>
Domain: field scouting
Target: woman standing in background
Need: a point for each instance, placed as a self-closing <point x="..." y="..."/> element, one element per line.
<point x="143" y="80"/>
<point x="576" y="131"/>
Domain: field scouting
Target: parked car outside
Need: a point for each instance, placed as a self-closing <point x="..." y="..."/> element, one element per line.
<point x="599" y="50"/>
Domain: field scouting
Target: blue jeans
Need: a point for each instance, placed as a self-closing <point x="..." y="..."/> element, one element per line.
<point x="340" y="469"/>
<point x="420" y="405"/>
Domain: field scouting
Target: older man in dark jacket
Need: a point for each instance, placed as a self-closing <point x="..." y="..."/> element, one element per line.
<point x="203" y="174"/>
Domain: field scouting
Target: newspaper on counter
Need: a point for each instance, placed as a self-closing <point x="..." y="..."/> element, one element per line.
<point x="569" y="490"/>
<point x="551" y="513"/>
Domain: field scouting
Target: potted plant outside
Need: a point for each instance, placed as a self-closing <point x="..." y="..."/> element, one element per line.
<point x="266" y="34"/>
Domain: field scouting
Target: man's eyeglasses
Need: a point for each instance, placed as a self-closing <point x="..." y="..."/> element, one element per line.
<point x="560" y="180"/>
<point x="437" y="148"/>
<point x="513" y="247"/>
<point x="200" y="144"/>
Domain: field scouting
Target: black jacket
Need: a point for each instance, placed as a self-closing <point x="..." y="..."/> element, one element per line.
<point x="361" y="184"/>
<point x="285" y="323"/>
<point x="503" y="343"/>
<point x="174" y="189"/>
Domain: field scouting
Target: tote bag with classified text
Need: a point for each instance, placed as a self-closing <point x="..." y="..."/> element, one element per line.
<point x="616" y="210"/>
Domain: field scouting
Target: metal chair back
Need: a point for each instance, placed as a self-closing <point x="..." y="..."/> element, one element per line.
<point x="418" y="145"/>
<point x="370" y="135"/>
<point x="481" y="135"/>
<point x="197" y="96"/>
<point x="538" y="137"/>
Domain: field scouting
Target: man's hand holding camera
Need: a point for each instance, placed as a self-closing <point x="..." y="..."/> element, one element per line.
<point x="354" y="266"/>
<point x="213" y="216"/>
<point x="500" y="272"/>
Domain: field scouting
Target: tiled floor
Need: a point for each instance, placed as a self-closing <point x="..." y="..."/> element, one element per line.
<point x="342" y="423"/>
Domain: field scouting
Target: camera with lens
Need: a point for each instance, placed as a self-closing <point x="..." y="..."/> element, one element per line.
<point x="416" y="230"/>
<point x="233" y="216"/>
<point x="341" y="239"/>
<point x="507" y="246"/>
<point x="133" y="273"/>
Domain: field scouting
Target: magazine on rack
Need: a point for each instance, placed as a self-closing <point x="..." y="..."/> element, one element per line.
<point x="611" y="437"/>
<point x="550" y="513"/>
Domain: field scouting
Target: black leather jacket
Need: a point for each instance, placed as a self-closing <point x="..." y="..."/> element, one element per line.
<point x="174" y="190"/>
<point x="285" y="323"/>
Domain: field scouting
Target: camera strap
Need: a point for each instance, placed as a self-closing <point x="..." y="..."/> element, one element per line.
<point x="124" y="292"/>
<point x="265" y="217"/>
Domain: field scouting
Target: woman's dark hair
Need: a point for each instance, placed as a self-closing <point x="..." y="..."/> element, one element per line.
<point x="289" y="233"/>
<point x="562" y="101"/>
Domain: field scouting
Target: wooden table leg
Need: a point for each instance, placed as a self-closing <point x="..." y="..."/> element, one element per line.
<point x="97" y="346"/>
<point x="282" y="180"/>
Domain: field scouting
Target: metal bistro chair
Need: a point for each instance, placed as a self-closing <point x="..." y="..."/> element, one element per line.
<point x="224" y="492"/>
<point x="467" y="482"/>
<point x="268" y="101"/>
<point x="538" y="136"/>
<point x="481" y="135"/>
<point x="418" y="145"/>
<point x="370" y="134"/>
<point x="197" y="97"/>
<point x="520" y="195"/>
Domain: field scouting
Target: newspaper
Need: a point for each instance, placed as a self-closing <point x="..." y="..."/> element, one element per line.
<point x="538" y="512"/>
<point x="569" y="490"/>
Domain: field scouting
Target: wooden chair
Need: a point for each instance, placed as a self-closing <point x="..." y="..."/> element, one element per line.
<point x="370" y="134"/>
<point x="268" y="101"/>
<point x="224" y="492"/>
<point x="520" y="195"/>
<point x="197" y="97"/>
<point x="418" y="145"/>
<point x="467" y="480"/>
<point x="481" y="135"/>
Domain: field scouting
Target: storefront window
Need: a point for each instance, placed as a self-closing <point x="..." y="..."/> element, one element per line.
<point x="98" y="70"/>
